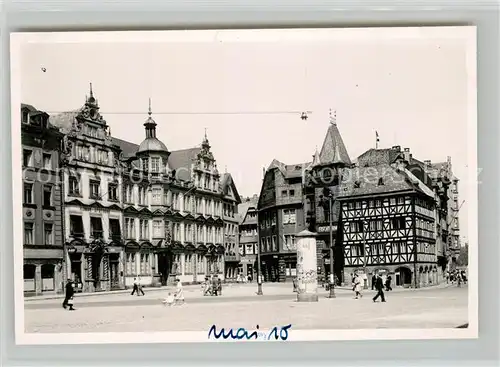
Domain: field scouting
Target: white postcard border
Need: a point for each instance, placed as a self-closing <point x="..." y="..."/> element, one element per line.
<point x="18" y="39"/>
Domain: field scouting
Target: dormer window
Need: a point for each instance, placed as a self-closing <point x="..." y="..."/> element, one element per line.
<point x="380" y="181"/>
<point x="155" y="164"/>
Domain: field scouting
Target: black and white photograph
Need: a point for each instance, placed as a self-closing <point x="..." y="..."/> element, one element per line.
<point x="245" y="185"/>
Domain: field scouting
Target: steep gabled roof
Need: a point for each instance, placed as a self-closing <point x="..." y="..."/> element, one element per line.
<point x="182" y="160"/>
<point x="365" y="181"/>
<point x="228" y="182"/>
<point x="333" y="149"/>
<point x="63" y="120"/>
<point x="244" y="207"/>
<point x="374" y="157"/>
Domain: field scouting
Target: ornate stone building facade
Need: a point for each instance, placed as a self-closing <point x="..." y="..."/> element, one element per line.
<point x="42" y="199"/>
<point x="141" y="211"/>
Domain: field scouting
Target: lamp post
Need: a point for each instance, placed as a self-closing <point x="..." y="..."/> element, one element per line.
<point x="332" y="270"/>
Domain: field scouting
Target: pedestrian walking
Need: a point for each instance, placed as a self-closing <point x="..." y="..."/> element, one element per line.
<point x="388" y="284"/>
<point x="379" y="286"/>
<point x="219" y="286"/>
<point x="374" y="280"/>
<point x="358" y="286"/>
<point x="69" y="293"/>
<point x="136" y="288"/>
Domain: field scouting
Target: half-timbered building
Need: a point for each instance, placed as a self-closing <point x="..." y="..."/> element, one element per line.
<point x="42" y="199"/>
<point x="248" y="236"/>
<point x="388" y="221"/>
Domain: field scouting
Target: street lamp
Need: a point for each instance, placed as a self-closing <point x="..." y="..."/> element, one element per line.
<point x="328" y="194"/>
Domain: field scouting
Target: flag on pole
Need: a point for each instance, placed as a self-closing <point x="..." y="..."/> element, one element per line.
<point x="377" y="139"/>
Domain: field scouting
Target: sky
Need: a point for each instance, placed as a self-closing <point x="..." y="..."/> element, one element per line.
<point x="409" y="86"/>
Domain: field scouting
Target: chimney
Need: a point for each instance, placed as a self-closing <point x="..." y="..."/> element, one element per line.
<point x="407" y="154"/>
<point x="397" y="148"/>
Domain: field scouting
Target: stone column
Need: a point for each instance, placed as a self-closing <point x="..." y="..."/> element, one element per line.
<point x="121" y="270"/>
<point x="307" y="277"/>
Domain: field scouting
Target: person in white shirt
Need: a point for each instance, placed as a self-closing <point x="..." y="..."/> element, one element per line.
<point x="179" y="293"/>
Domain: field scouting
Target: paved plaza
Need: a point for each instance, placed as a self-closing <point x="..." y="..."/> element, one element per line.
<point x="239" y="306"/>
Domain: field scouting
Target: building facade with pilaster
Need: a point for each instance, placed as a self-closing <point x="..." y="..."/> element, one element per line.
<point x="42" y="201"/>
<point x="141" y="211"/>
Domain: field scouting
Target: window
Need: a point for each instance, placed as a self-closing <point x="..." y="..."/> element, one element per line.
<point x="262" y="245"/>
<point x="284" y="193"/>
<point x="249" y="249"/>
<point x="188" y="264"/>
<point x="155" y="164"/>
<point x="76" y="225"/>
<point x="113" y="192"/>
<point x="47" y="161"/>
<point x="114" y="228"/>
<point x="275" y="244"/>
<point x="47" y="196"/>
<point x="289" y="216"/>
<point x="96" y="227"/>
<point x="393" y="201"/>
<point x="158" y="229"/>
<point x="131" y="269"/>
<point x="130" y="227"/>
<point x="102" y="157"/>
<point x="144" y="164"/>
<point x="28" y="193"/>
<point x="398" y="223"/>
<point x="49" y="234"/>
<point x="156" y="195"/>
<point x="94" y="189"/>
<point x="27" y="154"/>
<point x="380" y="181"/>
<point x="74" y="186"/>
<point x="292" y="193"/>
<point x="25" y="117"/>
<point x="401" y="200"/>
<point x="28" y="233"/>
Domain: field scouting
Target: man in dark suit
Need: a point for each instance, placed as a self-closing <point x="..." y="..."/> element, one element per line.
<point x="379" y="286"/>
<point x="70" y="291"/>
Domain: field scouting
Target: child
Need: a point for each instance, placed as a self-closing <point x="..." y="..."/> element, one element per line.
<point x="169" y="301"/>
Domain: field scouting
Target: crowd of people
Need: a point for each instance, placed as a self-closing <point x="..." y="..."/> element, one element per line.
<point x="457" y="276"/>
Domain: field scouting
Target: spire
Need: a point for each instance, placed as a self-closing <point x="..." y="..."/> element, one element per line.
<point x="150" y="124"/>
<point x="333" y="118"/>
<point x="316" y="160"/>
<point x="205" y="144"/>
<point x="91" y="100"/>
<point x="333" y="150"/>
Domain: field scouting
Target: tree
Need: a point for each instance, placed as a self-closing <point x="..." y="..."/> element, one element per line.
<point x="463" y="256"/>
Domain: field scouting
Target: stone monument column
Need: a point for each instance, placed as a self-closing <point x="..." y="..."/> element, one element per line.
<point x="307" y="276"/>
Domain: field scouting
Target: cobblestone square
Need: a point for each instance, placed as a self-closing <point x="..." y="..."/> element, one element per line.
<point x="239" y="306"/>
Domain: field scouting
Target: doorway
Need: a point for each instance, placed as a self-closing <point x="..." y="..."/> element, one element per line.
<point x="403" y="277"/>
<point x="113" y="271"/>
<point x="163" y="267"/>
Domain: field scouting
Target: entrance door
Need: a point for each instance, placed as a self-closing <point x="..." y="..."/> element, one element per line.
<point x="163" y="267"/>
<point x="113" y="271"/>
